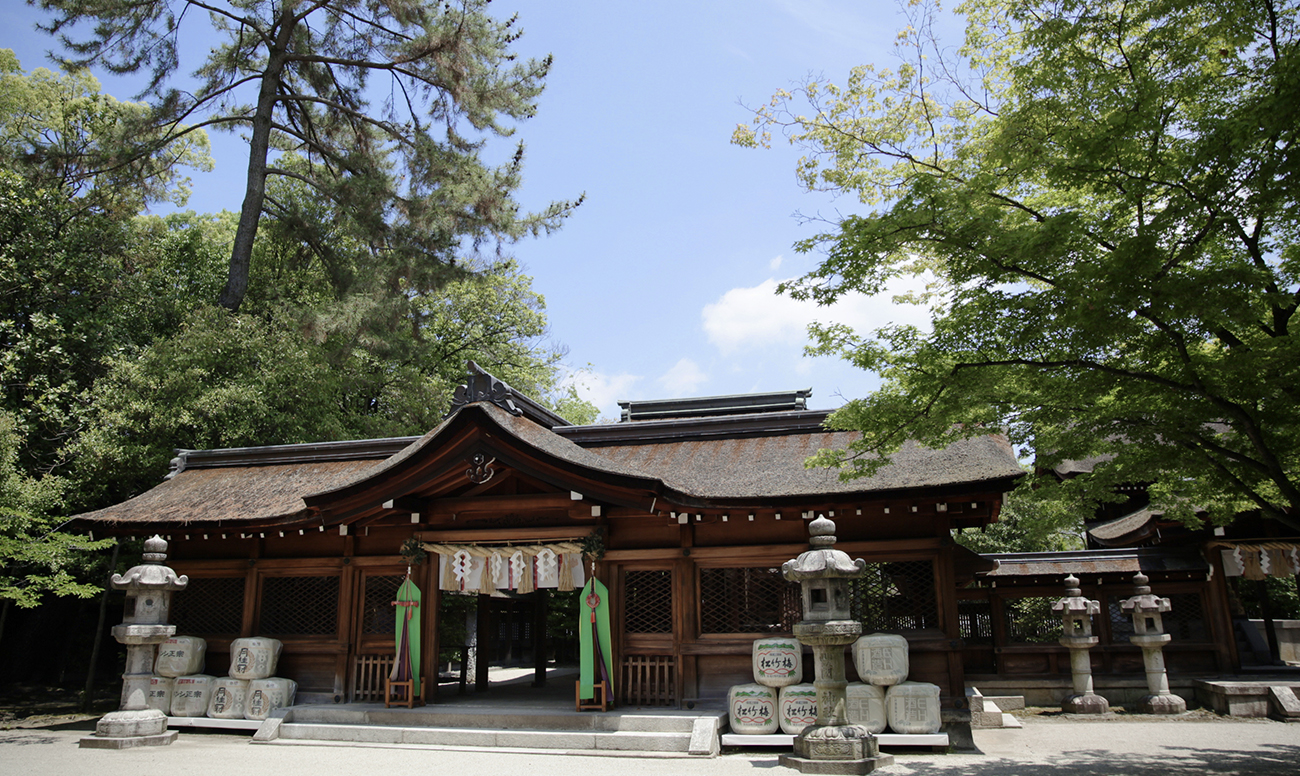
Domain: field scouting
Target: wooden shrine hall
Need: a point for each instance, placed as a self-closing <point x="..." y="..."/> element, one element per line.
<point x="685" y="510"/>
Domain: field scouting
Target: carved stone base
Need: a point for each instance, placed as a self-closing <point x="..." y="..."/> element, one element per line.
<point x="130" y="724"/>
<point x="1162" y="704"/>
<point x="1085" y="704"/>
<point x="836" y="742"/>
<point x="99" y="742"/>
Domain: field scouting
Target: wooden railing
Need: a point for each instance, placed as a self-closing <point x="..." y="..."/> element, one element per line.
<point x="648" y="680"/>
<point x="368" y="677"/>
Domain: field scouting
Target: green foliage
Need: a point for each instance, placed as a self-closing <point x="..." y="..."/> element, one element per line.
<point x="1032" y="520"/>
<point x="1281" y="592"/>
<point x="35" y="557"/>
<point x="61" y="134"/>
<point x="302" y="80"/>
<point x="78" y="288"/>
<point x="1101" y="197"/>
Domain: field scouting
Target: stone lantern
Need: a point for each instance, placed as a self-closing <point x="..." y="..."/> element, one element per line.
<point x="831" y="745"/>
<point x="1149" y="634"/>
<point x="1076" y="613"/>
<point x="149" y="589"/>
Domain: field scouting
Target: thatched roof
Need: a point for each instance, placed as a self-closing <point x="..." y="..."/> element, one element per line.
<point x="724" y="460"/>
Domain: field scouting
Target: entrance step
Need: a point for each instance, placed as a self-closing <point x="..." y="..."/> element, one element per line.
<point x="635" y="731"/>
<point x="989" y="711"/>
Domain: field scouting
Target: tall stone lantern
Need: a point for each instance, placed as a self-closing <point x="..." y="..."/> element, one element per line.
<point x="831" y="745"/>
<point x="1149" y="634"/>
<point x="149" y="589"/>
<point x="1076" y="612"/>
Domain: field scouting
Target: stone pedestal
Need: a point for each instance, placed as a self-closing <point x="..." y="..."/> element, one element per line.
<point x="1084" y="700"/>
<point x="832" y="745"/>
<point x="1149" y="634"/>
<point x="149" y="589"/>
<point x="1159" y="699"/>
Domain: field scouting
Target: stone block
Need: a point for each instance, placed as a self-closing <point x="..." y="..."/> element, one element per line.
<point x="1283" y="703"/>
<point x="851" y="767"/>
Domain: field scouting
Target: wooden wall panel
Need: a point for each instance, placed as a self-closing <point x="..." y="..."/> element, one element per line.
<point x="717" y="673"/>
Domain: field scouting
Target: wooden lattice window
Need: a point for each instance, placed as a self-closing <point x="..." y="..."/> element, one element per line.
<point x="975" y="620"/>
<point x="648" y="601"/>
<point x="209" y="606"/>
<point x="895" y="596"/>
<point x="747" y="600"/>
<point x="299" y="606"/>
<point x="1032" y="621"/>
<point x="377" y="618"/>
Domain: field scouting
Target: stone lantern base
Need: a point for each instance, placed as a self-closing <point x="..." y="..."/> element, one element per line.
<point x="127" y="729"/>
<point x="836" y="749"/>
<point x="1085" y="704"/>
<point x="1162" y="704"/>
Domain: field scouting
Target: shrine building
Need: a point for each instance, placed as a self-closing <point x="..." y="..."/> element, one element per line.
<point x="688" y="508"/>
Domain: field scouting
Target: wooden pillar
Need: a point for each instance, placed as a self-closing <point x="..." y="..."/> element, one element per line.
<point x="429" y="641"/>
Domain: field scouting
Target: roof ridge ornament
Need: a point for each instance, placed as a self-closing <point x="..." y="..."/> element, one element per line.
<point x="482" y="386"/>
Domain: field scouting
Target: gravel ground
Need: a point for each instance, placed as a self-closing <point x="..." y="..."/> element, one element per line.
<point x="1045" y="746"/>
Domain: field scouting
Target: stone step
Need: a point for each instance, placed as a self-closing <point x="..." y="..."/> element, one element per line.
<point x="527" y="719"/>
<point x="567" y="740"/>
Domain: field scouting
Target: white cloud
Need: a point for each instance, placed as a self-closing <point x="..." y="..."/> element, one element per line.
<point x="604" y="390"/>
<point x="756" y="317"/>
<point x="682" y="379"/>
<point x="775" y="263"/>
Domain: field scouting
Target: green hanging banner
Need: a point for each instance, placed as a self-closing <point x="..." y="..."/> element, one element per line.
<point x="407" y="663"/>
<point x="595" y="657"/>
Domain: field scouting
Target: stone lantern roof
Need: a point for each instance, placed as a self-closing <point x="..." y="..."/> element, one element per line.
<point x="1074" y="601"/>
<point x="152" y="574"/>
<point x="821" y="560"/>
<point x="1144" y="602"/>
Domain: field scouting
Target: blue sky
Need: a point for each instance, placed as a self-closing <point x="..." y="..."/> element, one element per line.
<point x="663" y="280"/>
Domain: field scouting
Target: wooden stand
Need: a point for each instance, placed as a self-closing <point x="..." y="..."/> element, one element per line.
<point x="408" y="697"/>
<point x="600" y="700"/>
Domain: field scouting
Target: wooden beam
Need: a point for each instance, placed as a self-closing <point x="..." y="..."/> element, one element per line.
<point x="526" y="502"/>
<point x="553" y="533"/>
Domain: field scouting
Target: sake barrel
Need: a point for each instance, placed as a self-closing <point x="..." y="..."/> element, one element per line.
<point x="267" y="695"/>
<point x="881" y="659"/>
<point x="190" y="695"/>
<point x="752" y="708"/>
<point x="227" y="698"/>
<point x="160" y="693"/>
<point x="180" y="656"/>
<point x="798" y="708"/>
<point x="865" y="706"/>
<point x="254" y="658"/>
<point x="913" y="708"/>
<point x="778" y="662"/>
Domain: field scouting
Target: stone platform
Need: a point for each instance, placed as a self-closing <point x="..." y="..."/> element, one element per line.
<point x="1262" y="697"/>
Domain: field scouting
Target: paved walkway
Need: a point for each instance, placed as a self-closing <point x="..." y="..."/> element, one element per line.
<point x="1043" y="747"/>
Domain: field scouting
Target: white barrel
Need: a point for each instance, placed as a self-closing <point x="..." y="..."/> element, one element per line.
<point x="190" y="695"/>
<point x="160" y="693"/>
<point x="881" y="659"/>
<point x="913" y="708"/>
<point x="180" y="656"/>
<point x="254" y="658"/>
<point x="778" y="662"/>
<point x="798" y="708"/>
<point x="267" y="695"/>
<point x="227" y="700"/>
<point x="752" y="708"/>
<point x="865" y="706"/>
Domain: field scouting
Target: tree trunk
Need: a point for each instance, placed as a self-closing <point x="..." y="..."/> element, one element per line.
<point x="250" y="213"/>
<point x="88" y="693"/>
